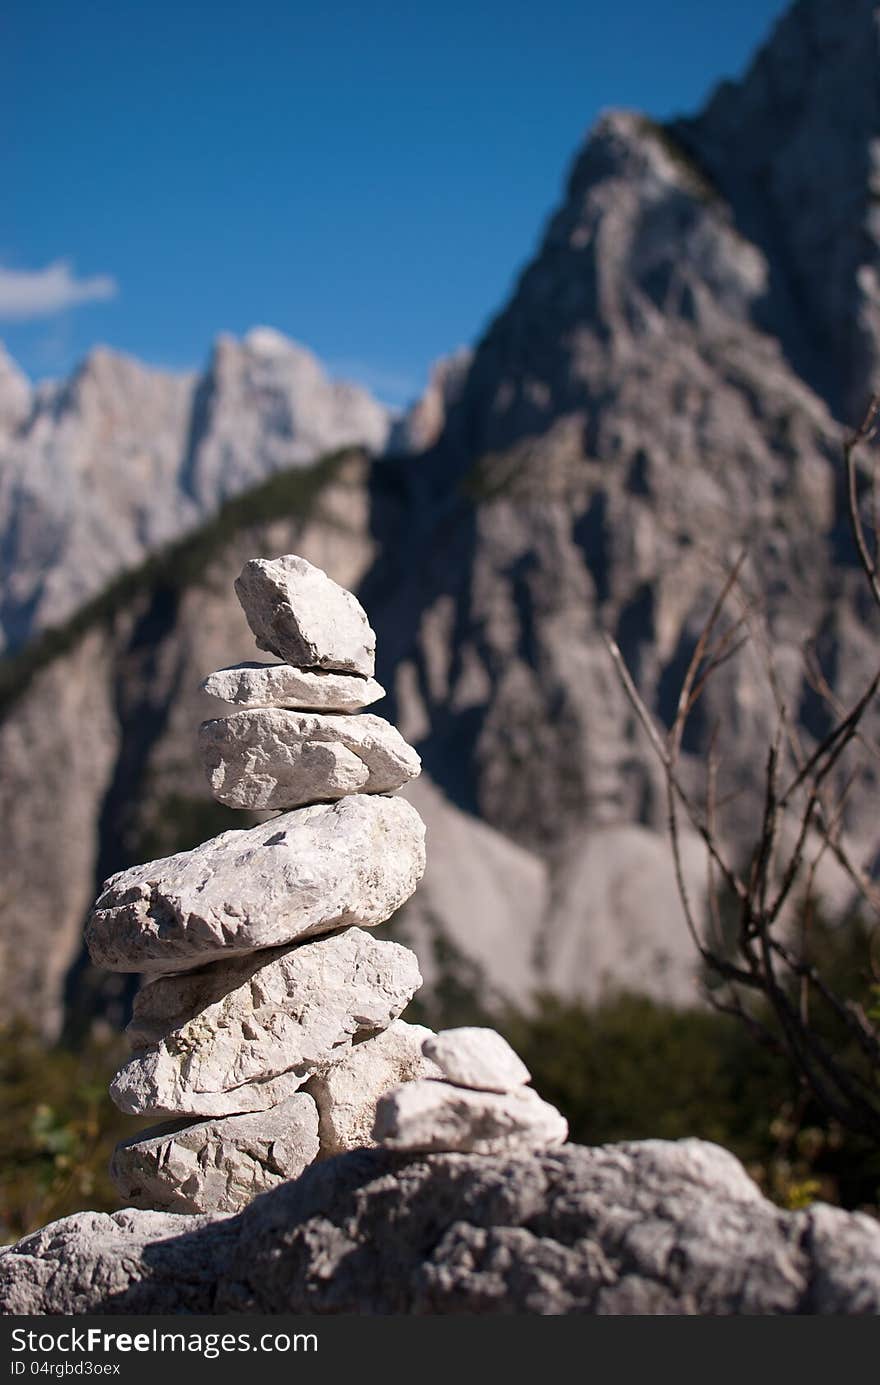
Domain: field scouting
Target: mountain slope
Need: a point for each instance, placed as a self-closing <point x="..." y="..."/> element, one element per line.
<point x="795" y="148"/>
<point x="665" y="388"/>
<point x="98" y="471"/>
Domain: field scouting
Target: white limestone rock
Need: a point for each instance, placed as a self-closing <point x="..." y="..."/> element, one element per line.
<point x="305" y="618"/>
<point x="244" y="1034"/>
<point x="430" y="1116"/>
<point x="479" y="1058"/>
<point x="323" y="867"/>
<point x="347" y="1093"/>
<point x="274" y="758"/>
<point x="281" y="685"/>
<point x="219" y="1165"/>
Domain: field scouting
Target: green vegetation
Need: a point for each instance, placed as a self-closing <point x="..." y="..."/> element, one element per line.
<point x="178" y="822"/>
<point x="633" y="1069"/>
<point x="58" y="1129"/>
<point x="174" y="568"/>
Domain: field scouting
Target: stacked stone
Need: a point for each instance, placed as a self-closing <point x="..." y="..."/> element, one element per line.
<point x="259" y="974"/>
<point x="267" y="1031"/>
<point x="477" y="1104"/>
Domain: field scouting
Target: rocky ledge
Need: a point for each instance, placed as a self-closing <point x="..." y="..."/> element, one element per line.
<point x="647" y="1228"/>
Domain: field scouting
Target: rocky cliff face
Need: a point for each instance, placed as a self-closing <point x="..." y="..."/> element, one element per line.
<point x="667" y="384"/>
<point x="100" y="470"/>
<point x="795" y="149"/>
<point x="641" y="410"/>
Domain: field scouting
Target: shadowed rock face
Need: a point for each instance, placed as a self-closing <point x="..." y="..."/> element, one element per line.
<point x="650" y="1228"/>
<point x="810" y="102"/>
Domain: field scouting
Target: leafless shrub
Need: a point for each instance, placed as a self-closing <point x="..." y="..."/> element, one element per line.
<point x="761" y="970"/>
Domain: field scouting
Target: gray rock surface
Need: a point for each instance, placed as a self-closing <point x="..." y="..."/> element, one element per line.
<point x="310" y="871"/>
<point x="652" y="1228"/>
<point x="300" y="614"/>
<point x="477" y="1057"/>
<point x="219" y="1165"/>
<point x="237" y="1035"/>
<point x="430" y="1114"/>
<point x="275" y="758"/>
<point x="347" y="1093"/>
<point x="422" y="424"/>
<point x="282" y="685"/>
<point x="100" y="469"/>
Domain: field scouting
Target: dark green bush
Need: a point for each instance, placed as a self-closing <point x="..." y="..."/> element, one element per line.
<point x="58" y="1129"/>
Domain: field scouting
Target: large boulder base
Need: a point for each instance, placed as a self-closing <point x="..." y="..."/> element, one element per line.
<point x="331" y="865"/>
<point x="647" y="1228"/>
<point x="305" y="618"/>
<point x="275" y="758"/>
<point x="240" y="1035"/>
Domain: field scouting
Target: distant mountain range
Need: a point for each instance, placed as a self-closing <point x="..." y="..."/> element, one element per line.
<point x="669" y="381"/>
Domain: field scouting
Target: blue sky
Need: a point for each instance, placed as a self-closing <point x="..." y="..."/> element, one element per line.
<point x="368" y="178"/>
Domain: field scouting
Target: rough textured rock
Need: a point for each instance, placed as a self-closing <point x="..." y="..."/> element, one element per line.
<point x="239" y="1035"/>
<point x="346" y="1094"/>
<point x="282" y="685"/>
<point x="299" y="613"/>
<point x="220" y="1165"/>
<point x="651" y="1228"/>
<point x="312" y="870"/>
<point x="275" y="758"/>
<point x="476" y="1057"/>
<point x="431" y="1115"/>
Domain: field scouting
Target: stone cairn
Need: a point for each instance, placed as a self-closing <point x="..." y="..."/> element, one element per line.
<point x="267" y="1034"/>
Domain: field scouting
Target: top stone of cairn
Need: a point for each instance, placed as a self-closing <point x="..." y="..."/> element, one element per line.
<point x="305" y="618"/>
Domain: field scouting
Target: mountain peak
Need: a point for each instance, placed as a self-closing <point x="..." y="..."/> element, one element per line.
<point x="794" y="146"/>
<point x="15" y="392"/>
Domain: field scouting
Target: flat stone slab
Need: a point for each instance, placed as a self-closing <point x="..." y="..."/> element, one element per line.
<point x="282" y="685"/>
<point x="219" y="1165"/>
<point x="427" y="1116"/>
<point x="310" y="871"/>
<point x="244" y="1034"/>
<point x="347" y="1093"/>
<point x="275" y="758"/>
<point x="302" y="616"/>
<point x="479" y="1058"/>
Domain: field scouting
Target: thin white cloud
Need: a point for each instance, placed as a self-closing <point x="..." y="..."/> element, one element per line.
<point x="31" y="293"/>
<point x="394" y="386"/>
